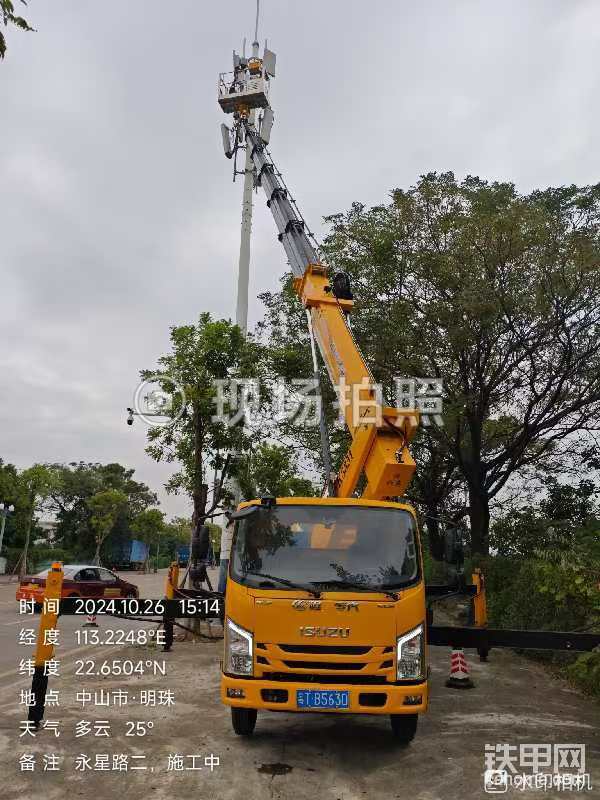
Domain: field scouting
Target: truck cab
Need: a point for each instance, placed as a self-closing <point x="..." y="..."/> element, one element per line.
<point x="325" y="611"/>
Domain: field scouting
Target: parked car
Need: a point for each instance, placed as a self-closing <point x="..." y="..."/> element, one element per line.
<point x="80" y="580"/>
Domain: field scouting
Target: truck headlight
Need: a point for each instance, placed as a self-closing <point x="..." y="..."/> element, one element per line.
<point x="238" y="649"/>
<point x="410" y="655"/>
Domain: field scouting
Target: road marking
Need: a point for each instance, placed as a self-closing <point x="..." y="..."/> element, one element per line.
<point x="18" y="622"/>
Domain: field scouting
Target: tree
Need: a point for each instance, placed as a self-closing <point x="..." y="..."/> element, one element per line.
<point x="105" y="508"/>
<point x="176" y="532"/>
<point x="196" y="438"/>
<point x="7" y="9"/>
<point x="179" y="528"/>
<point x="565" y="518"/>
<point x="270" y="470"/>
<point x="215" y="533"/>
<point x="284" y="334"/>
<point x="149" y="524"/>
<point x="496" y="293"/>
<point x="36" y="482"/>
<point x="435" y="490"/>
<point x="75" y="484"/>
<point x="566" y="502"/>
<point x="13" y="493"/>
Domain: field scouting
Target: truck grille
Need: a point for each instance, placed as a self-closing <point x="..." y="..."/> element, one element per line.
<point x="341" y="650"/>
<point x="324" y="663"/>
<point x="314" y="677"/>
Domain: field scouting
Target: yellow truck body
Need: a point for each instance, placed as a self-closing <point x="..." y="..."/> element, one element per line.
<point x="335" y="640"/>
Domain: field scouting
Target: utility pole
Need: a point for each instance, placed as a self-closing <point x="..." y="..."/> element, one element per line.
<point x="241" y="318"/>
<point x="242" y="93"/>
<point x="241" y="315"/>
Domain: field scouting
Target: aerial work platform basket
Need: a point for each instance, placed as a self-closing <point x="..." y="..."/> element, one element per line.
<point x="247" y="86"/>
<point x="235" y="93"/>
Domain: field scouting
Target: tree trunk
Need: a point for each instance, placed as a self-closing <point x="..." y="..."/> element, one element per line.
<point x="479" y="515"/>
<point x="23" y="567"/>
<point x="97" y="555"/>
<point x="198" y="494"/>
<point x="434" y="536"/>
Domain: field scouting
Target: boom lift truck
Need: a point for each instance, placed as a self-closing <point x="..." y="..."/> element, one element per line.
<point x="325" y="600"/>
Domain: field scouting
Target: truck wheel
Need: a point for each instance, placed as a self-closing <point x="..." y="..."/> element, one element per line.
<point x="243" y="720"/>
<point x="404" y="727"/>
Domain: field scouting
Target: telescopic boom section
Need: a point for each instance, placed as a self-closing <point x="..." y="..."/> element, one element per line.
<point x="380" y="434"/>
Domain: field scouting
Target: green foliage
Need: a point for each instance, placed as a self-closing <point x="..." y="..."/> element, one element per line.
<point x="553" y="552"/>
<point x="7" y="12"/>
<point x="284" y="332"/>
<point x="585" y="673"/>
<point x="13" y="491"/>
<point x="196" y="439"/>
<point x="105" y="508"/>
<point x="75" y="484"/>
<point x="570" y="571"/>
<point x="215" y="536"/>
<point x="149" y="525"/>
<point x="43" y="557"/>
<point x="496" y="293"/>
<point x="546" y="574"/>
<point x="563" y="525"/>
<point x="270" y="470"/>
<point x="519" y="597"/>
<point x="545" y="593"/>
<point x="179" y="529"/>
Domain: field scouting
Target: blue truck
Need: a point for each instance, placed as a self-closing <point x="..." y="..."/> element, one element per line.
<point x="183" y="554"/>
<point x="129" y="554"/>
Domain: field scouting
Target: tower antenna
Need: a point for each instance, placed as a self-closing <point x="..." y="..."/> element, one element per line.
<point x="256" y="26"/>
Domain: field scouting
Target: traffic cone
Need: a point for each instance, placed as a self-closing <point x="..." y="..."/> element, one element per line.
<point x="91" y="621"/>
<point x="459" y="671"/>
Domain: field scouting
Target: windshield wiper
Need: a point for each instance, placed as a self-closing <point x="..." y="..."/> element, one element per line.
<point x="284" y="582"/>
<point x="364" y="587"/>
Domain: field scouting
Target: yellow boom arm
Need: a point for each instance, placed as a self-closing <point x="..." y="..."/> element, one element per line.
<point x="380" y="434"/>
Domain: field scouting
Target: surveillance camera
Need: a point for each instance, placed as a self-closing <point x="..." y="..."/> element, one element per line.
<point x="129" y="421"/>
<point x="130" y="416"/>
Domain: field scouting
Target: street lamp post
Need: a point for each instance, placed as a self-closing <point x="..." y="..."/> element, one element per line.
<point x="5" y="510"/>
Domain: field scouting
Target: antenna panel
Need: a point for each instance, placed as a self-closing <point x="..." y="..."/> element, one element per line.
<point x="269" y="59"/>
<point x="266" y="124"/>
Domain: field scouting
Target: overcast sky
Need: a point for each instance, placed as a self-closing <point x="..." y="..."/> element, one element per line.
<point x="118" y="215"/>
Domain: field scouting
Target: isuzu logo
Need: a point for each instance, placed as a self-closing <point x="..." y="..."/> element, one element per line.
<point x="332" y="633"/>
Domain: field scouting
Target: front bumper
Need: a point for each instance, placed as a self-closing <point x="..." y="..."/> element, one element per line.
<point x="391" y="696"/>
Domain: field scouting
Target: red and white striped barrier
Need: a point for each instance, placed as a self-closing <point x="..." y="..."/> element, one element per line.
<point x="459" y="671"/>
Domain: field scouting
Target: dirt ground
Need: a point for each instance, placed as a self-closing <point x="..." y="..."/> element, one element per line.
<point x="296" y="756"/>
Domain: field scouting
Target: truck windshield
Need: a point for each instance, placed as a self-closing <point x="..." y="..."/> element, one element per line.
<point x="331" y="548"/>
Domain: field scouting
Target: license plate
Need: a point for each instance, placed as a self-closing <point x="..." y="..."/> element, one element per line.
<point x="325" y="698"/>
